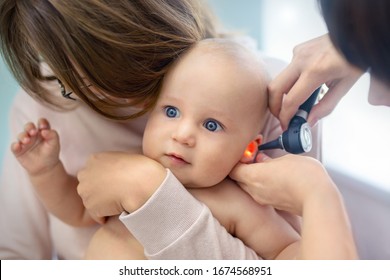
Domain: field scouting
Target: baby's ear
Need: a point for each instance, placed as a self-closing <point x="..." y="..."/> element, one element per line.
<point x="251" y="150"/>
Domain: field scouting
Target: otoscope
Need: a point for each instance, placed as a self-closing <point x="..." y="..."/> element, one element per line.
<point x="297" y="138"/>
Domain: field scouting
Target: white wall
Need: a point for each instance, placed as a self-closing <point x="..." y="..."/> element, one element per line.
<point x="287" y="23"/>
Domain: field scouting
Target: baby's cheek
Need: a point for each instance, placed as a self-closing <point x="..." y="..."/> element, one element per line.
<point x="216" y="171"/>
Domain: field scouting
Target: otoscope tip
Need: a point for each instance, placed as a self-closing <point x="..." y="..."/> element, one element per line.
<point x="275" y="144"/>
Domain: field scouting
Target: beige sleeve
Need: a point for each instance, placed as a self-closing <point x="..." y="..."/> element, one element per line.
<point x="174" y="225"/>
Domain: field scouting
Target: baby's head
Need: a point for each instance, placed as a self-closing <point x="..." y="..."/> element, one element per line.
<point x="212" y="104"/>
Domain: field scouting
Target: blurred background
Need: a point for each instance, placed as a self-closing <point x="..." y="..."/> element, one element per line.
<point x="356" y="135"/>
<point x="8" y="88"/>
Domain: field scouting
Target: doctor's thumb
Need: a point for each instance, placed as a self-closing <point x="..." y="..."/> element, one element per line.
<point x="240" y="172"/>
<point x="261" y="157"/>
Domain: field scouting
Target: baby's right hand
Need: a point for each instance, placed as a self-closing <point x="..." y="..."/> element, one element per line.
<point x="37" y="148"/>
<point x="132" y="180"/>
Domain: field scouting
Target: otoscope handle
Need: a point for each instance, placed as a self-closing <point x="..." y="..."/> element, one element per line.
<point x="308" y="104"/>
<point x="297" y="138"/>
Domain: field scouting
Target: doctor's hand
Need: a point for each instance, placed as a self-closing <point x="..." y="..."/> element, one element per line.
<point x="113" y="182"/>
<point x="287" y="183"/>
<point x="300" y="185"/>
<point x="314" y="63"/>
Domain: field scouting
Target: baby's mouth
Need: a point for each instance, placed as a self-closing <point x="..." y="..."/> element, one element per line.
<point x="177" y="158"/>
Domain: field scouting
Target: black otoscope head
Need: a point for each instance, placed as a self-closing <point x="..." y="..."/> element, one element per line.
<point x="297" y="138"/>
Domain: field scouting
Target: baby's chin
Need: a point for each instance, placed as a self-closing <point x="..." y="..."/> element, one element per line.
<point x="195" y="185"/>
<point x="192" y="179"/>
<point x="198" y="184"/>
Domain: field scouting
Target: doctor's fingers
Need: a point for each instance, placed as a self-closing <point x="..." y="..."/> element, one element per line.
<point x="298" y="94"/>
<point x="280" y="85"/>
<point x="243" y="175"/>
<point x="256" y="180"/>
<point x="293" y="87"/>
<point x="329" y="101"/>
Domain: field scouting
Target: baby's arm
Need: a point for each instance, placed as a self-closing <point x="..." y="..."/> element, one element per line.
<point x="259" y="227"/>
<point x="37" y="150"/>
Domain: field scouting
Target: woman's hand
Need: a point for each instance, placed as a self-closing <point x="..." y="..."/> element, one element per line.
<point x="300" y="185"/>
<point x="113" y="182"/>
<point x="314" y="63"/>
<point x="286" y="183"/>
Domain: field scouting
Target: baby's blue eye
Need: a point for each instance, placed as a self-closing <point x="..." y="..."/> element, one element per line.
<point x="212" y="125"/>
<point x="171" y="112"/>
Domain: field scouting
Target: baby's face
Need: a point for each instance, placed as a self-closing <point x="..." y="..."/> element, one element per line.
<point x="207" y="113"/>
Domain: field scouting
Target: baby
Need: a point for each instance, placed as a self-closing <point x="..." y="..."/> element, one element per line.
<point x="212" y="105"/>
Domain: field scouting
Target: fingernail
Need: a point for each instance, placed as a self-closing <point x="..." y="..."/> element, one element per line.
<point x="25" y="140"/>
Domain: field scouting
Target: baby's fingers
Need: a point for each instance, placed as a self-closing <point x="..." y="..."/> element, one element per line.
<point x="49" y="135"/>
<point x="16" y="148"/>
<point x="43" y="124"/>
<point x="30" y="129"/>
<point x="23" y="143"/>
<point x="24" y="137"/>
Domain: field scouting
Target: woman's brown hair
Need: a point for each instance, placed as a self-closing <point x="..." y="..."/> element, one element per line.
<point x="360" y="29"/>
<point x="122" y="48"/>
